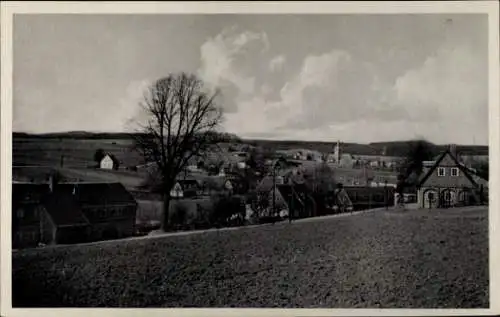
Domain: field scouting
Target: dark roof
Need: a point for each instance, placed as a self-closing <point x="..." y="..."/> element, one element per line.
<point x="112" y="157"/>
<point x="28" y="193"/>
<point x="266" y="184"/>
<point x="64" y="209"/>
<point x="218" y="182"/>
<point x="189" y="182"/>
<point x="464" y="170"/>
<point x="98" y="193"/>
<point x="298" y="193"/>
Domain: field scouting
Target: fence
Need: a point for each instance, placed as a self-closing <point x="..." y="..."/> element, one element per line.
<point x="370" y="197"/>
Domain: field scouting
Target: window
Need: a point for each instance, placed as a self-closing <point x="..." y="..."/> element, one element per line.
<point x="20" y="213"/>
<point x="441" y="171"/>
<point x="454" y="171"/>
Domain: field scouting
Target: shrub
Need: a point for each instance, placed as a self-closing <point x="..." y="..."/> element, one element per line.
<point x="178" y="214"/>
<point x="228" y="210"/>
<point x="99" y="155"/>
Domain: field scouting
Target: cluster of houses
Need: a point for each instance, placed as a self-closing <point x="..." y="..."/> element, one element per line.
<point x="445" y="182"/>
<point x="61" y="213"/>
<point x="341" y="159"/>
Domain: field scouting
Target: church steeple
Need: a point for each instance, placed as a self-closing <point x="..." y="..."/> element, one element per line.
<point x="337" y="152"/>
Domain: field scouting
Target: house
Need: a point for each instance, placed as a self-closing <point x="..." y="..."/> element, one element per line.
<point x="449" y="183"/>
<point x="26" y="213"/>
<point x="220" y="184"/>
<point x="109" y="207"/>
<point x="295" y="200"/>
<point x="287" y="198"/>
<point x="267" y="183"/>
<point x="63" y="221"/>
<point x="70" y="213"/>
<point x="109" y="162"/>
<point x="186" y="188"/>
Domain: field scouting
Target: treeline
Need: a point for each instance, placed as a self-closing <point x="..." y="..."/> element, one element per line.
<point x="84" y="135"/>
<point x="400" y="148"/>
<point x="396" y="148"/>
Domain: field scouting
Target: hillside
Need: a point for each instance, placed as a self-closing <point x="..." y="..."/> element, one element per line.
<point x="78" y="147"/>
<point x="383" y="259"/>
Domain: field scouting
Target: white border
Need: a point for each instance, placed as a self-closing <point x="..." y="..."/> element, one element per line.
<point x="9" y="8"/>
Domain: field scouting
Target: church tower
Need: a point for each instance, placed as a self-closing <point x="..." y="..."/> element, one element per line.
<point x="337" y="153"/>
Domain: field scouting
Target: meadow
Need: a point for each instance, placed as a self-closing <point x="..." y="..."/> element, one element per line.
<point x="382" y="259"/>
<point x="76" y="152"/>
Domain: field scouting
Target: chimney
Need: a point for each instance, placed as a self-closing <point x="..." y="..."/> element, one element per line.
<point x="52" y="183"/>
<point x="453" y="150"/>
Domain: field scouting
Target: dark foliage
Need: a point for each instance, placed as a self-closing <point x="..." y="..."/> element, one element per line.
<point x="99" y="155"/>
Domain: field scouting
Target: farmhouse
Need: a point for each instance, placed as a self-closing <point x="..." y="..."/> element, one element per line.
<point x="296" y="200"/>
<point x="70" y="213"/>
<point x="449" y="183"/>
<point x="62" y="220"/>
<point x="220" y="184"/>
<point x="26" y="213"/>
<point x="109" y="208"/>
<point x="186" y="188"/>
<point x="108" y="162"/>
<point x="286" y="196"/>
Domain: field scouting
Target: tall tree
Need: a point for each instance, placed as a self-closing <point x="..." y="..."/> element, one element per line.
<point x="413" y="163"/>
<point x="321" y="178"/>
<point x="180" y="119"/>
<point x="99" y="155"/>
<point x="418" y="152"/>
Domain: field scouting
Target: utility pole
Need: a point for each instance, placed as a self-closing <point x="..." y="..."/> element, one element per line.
<point x="274" y="192"/>
<point x="386" y="195"/>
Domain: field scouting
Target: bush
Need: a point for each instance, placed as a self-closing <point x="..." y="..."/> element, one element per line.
<point x="99" y="155"/>
<point x="178" y="215"/>
<point x="228" y="210"/>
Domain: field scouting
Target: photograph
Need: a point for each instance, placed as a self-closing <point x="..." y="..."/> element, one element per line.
<point x="289" y="160"/>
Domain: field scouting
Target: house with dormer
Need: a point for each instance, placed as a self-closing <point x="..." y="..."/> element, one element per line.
<point x="449" y="183"/>
<point x="66" y="213"/>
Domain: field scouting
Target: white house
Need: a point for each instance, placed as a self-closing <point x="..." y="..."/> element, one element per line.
<point x="177" y="191"/>
<point x="107" y="162"/>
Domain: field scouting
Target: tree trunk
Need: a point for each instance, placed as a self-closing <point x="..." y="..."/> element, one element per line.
<point x="166" y="209"/>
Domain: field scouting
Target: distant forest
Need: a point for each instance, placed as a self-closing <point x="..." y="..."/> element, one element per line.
<point x="395" y="148"/>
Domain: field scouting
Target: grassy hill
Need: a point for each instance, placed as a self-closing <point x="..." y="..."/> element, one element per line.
<point x="385" y="259"/>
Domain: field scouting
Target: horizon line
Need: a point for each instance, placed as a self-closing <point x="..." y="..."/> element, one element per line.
<point x="251" y="138"/>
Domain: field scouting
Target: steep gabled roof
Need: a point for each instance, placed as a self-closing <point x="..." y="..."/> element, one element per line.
<point x="28" y="193"/>
<point x="188" y="182"/>
<point x="266" y="184"/>
<point x="462" y="168"/>
<point x="64" y="209"/>
<point x="98" y="193"/>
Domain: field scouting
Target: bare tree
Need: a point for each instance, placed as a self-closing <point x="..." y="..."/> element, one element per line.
<point x="181" y="120"/>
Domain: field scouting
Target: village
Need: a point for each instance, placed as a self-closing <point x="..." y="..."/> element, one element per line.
<point x="232" y="187"/>
<point x="242" y="159"/>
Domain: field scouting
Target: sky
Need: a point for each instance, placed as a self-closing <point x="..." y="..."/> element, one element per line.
<point x="354" y="78"/>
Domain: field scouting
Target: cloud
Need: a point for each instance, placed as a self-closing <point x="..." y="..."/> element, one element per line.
<point x="337" y="94"/>
<point x="224" y="64"/>
<point x="450" y="85"/>
<point x="277" y="63"/>
<point x="132" y="115"/>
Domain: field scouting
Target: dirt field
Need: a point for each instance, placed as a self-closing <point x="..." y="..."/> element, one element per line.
<point x="387" y="259"/>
